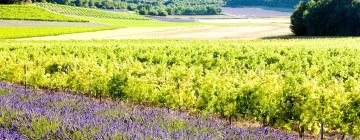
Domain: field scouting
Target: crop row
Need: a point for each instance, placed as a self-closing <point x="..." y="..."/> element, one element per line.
<point x="28" y="12"/>
<point x="88" y="12"/>
<point x="51" y="115"/>
<point x="293" y="84"/>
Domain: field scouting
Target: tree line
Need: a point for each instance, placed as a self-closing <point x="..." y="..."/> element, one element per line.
<point x="270" y="3"/>
<point x="327" y="18"/>
<point x="144" y="7"/>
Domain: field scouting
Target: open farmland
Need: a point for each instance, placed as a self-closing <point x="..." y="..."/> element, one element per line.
<point x="282" y="83"/>
<point x="87" y="12"/>
<point x="28" y="12"/>
<point x="239" y="31"/>
<point x="88" y="73"/>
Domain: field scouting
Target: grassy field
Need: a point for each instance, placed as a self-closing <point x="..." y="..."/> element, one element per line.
<point x="28" y="12"/>
<point x="295" y="84"/>
<point x="87" y="12"/>
<point x="24" y="32"/>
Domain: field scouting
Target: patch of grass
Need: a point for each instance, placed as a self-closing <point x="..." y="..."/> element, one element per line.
<point x="24" y="32"/>
<point x="29" y="12"/>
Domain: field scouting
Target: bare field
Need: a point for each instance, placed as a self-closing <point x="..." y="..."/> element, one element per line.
<point x="258" y="11"/>
<point x="194" y="32"/>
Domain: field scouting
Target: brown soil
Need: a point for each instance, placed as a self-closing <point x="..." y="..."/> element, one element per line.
<point x="255" y="31"/>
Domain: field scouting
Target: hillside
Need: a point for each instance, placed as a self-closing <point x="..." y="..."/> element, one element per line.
<point x="28" y="12"/>
<point x="78" y="11"/>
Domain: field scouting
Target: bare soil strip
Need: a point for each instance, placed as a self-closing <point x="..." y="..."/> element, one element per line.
<point x="195" y="32"/>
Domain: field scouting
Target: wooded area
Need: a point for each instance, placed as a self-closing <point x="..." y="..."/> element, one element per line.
<point x="327" y="18"/>
<point x="270" y="3"/>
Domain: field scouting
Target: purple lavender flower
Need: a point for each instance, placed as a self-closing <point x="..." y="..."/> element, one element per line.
<point x="64" y="116"/>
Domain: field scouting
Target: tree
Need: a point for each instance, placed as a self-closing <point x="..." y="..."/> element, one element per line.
<point x="143" y="11"/>
<point x="297" y="20"/>
<point x="77" y="2"/>
<point x="327" y="18"/>
<point x="270" y="3"/>
<point x="91" y="4"/>
<point x="153" y="12"/>
<point x="9" y="1"/>
<point x="213" y="10"/>
<point x="162" y="12"/>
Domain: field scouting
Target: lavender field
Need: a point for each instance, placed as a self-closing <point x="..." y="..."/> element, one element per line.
<point x="52" y="115"/>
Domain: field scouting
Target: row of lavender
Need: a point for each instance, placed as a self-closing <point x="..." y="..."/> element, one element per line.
<point x="52" y="115"/>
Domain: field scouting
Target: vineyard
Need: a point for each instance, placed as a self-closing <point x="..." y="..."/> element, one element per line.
<point x="87" y="12"/>
<point x="295" y="84"/>
<point x="25" y="12"/>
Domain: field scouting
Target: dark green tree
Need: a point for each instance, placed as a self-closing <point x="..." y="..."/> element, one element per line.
<point x="297" y="20"/>
<point x="327" y="18"/>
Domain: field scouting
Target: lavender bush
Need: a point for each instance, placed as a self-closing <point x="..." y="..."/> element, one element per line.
<point x="9" y="134"/>
<point x="35" y="115"/>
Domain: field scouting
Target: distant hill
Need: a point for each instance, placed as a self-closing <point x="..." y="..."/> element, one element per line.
<point x="269" y="3"/>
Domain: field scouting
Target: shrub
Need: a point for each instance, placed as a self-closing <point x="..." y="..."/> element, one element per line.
<point x="116" y="86"/>
<point x="297" y="20"/>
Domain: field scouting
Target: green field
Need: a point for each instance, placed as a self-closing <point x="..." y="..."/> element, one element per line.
<point x="87" y="12"/>
<point x="24" y="32"/>
<point x="291" y="84"/>
<point x="112" y="19"/>
<point x="28" y="12"/>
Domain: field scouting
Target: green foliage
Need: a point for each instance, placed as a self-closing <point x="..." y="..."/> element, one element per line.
<point x="3" y="92"/>
<point x="156" y="8"/>
<point x="176" y="7"/>
<point x="291" y="84"/>
<point x="116" y="86"/>
<point x="297" y="20"/>
<point x="8" y="1"/>
<point x="270" y="3"/>
<point x="41" y="128"/>
<point x="87" y="12"/>
<point x="327" y="18"/>
<point x="27" y="12"/>
<point x="352" y="115"/>
<point x="145" y="7"/>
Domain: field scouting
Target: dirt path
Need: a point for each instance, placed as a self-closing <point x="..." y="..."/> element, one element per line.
<point x="195" y="32"/>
